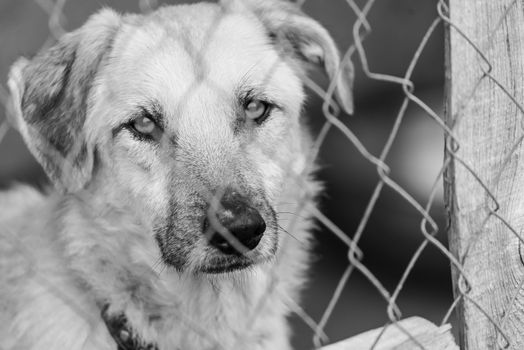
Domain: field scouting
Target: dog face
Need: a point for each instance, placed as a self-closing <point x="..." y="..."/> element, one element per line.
<point x="188" y="118"/>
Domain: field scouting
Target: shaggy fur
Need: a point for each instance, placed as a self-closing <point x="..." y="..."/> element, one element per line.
<point x="124" y="225"/>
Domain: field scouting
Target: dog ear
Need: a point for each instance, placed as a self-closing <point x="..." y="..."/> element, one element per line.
<point x="304" y="39"/>
<point x="50" y="100"/>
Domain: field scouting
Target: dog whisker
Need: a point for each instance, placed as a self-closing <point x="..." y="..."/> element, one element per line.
<point x="291" y="235"/>
<point x="158" y="263"/>
<point x="295" y="214"/>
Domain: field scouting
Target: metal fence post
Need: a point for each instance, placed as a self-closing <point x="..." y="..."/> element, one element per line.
<point x="485" y="181"/>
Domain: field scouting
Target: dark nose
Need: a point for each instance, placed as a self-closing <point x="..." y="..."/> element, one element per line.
<point x="242" y="221"/>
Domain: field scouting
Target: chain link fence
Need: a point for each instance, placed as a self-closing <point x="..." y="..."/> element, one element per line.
<point x="431" y="231"/>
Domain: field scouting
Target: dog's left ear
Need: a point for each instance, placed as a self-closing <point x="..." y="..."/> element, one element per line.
<point x="304" y="39"/>
<point x="50" y="99"/>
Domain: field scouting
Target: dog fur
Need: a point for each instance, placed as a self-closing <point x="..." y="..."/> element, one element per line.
<point x="122" y="226"/>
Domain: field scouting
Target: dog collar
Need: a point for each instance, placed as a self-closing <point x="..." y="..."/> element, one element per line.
<point x="123" y="334"/>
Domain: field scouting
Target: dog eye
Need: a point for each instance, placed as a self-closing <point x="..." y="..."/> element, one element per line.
<point x="257" y="110"/>
<point x="145" y="128"/>
<point x="144" y="125"/>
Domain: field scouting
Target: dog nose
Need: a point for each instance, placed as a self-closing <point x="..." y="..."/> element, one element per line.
<point x="241" y="220"/>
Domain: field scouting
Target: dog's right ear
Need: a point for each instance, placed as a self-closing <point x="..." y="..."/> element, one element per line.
<point x="50" y="99"/>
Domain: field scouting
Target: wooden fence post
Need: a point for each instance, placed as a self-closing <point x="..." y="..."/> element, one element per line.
<point x="488" y="127"/>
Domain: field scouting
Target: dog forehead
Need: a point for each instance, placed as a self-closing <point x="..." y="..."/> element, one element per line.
<point x="176" y="50"/>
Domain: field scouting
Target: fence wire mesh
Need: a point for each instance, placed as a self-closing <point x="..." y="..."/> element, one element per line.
<point x="429" y="229"/>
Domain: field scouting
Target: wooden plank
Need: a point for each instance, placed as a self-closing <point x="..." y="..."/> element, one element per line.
<point x="427" y="334"/>
<point x="487" y="125"/>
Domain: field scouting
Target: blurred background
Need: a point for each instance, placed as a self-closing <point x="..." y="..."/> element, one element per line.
<point x="393" y="232"/>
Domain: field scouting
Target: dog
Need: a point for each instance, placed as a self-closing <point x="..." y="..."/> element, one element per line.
<point x="183" y="186"/>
